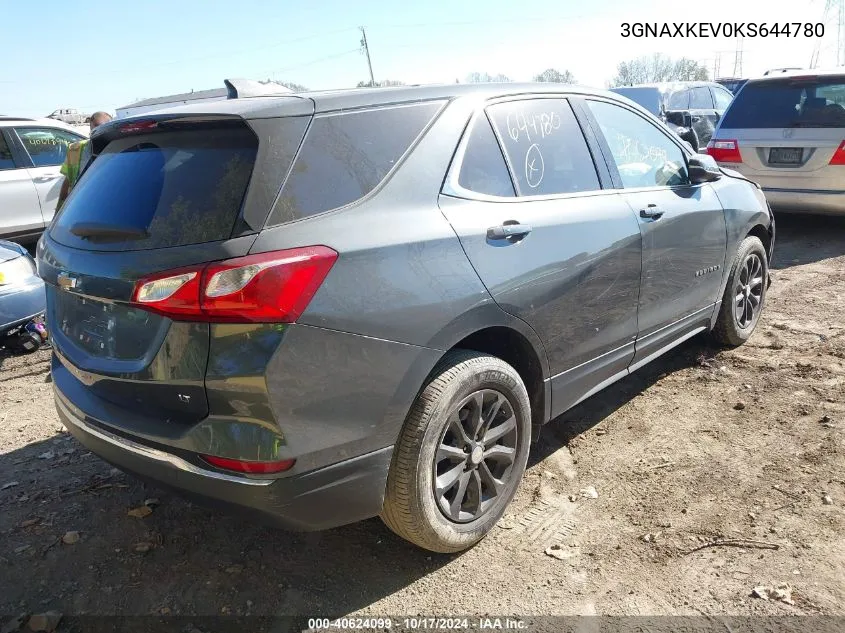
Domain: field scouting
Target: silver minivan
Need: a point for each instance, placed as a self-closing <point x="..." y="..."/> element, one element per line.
<point x="787" y="133"/>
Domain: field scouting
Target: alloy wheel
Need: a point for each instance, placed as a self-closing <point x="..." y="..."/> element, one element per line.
<point x="749" y="291"/>
<point x="475" y="456"/>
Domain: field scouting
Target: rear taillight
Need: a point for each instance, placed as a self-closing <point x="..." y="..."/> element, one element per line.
<point x="250" y="467"/>
<point x="839" y="155"/>
<point x="724" y="151"/>
<point x="263" y="288"/>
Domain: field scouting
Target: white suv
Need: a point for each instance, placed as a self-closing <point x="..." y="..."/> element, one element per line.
<point x="31" y="153"/>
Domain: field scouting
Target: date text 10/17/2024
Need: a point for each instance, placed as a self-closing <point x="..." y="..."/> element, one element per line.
<point x="417" y="623"/>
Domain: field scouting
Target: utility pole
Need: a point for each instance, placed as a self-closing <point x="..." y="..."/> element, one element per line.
<point x="367" y="53"/>
<point x="738" y="58"/>
<point x="717" y="62"/>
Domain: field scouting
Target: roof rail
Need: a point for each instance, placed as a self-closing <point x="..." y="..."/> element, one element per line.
<point x="240" y="88"/>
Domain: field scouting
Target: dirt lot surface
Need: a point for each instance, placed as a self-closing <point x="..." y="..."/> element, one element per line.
<point x="744" y="447"/>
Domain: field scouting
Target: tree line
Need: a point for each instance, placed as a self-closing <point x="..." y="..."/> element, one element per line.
<point x="648" y="69"/>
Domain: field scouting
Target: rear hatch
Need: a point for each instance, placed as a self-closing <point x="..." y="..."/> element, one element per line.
<point x="162" y="193"/>
<point x="789" y="132"/>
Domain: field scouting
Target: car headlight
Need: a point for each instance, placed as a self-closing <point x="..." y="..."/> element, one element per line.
<point x="15" y="271"/>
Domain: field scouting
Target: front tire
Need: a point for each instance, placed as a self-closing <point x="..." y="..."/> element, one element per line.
<point x="745" y="294"/>
<point x="461" y="453"/>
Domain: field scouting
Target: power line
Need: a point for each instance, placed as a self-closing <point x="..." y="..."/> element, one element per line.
<point x="315" y="61"/>
<point x="136" y="69"/>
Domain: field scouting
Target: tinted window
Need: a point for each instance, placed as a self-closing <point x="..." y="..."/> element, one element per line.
<point x="345" y="156"/>
<point x="648" y="98"/>
<point x="678" y="100"/>
<point x="169" y="189"/>
<point x="700" y="99"/>
<point x="483" y="169"/>
<point x="722" y="98"/>
<point x="644" y="155"/>
<point x="788" y="103"/>
<point x="46" y="146"/>
<point x="545" y="147"/>
<point x="6" y="161"/>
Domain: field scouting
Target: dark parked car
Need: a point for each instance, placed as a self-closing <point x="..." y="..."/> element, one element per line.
<point x="330" y="306"/>
<point x="732" y="83"/>
<point x="692" y="109"/>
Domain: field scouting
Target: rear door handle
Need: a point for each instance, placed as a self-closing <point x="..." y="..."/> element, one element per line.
<point x="652" y="212"/>
<point x="508" y="230"/>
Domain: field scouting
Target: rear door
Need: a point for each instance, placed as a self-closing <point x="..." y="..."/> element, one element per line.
<point x="158" y="196"/>
<point x="703" y="113"/>
<point x="788" y="130"/>
<point x="47" y="149"/>
<point x="551" y="245"/>
<point x="683" y="226"/>
<point x="20" y="211"/>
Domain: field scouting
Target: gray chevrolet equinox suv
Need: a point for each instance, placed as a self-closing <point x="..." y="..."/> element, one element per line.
<point x="324" y="307"/>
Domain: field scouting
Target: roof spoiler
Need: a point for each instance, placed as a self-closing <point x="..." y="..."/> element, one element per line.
<point x="240" y="88"/>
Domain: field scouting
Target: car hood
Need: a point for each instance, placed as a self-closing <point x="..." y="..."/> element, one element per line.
<point x="10" y="250"/>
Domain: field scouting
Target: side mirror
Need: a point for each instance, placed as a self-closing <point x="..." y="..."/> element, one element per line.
<point x="703" y="168"/>
<point x="680" y="118"/>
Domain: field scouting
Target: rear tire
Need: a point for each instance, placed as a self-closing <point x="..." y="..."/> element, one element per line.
<point x="745" y="294"/>
<point x="460" y="455"/>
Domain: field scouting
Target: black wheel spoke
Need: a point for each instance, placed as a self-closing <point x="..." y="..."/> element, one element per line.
<point x="460" y="495"/>
<point x="453" y="453"/>
<point x="502" y="454"/>
<point x="496" y="433"/>
<point x="494" y="485"/>
<point x="457" y="428"/>
<point x="447" y="480"/>
<point x="476" y="416"/>
<point x="491" y="414"/>
<point x="475" y="496"/>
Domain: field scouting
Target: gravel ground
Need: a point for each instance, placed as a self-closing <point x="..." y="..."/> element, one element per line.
<point x="715" y="472"/>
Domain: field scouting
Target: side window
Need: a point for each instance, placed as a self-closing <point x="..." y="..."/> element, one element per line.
<point x="483" y="169"/>
<point x="700" y="99"/>
<point x="722" y="98"/>
<point x="545" y="147"/>
<point x="679" y="100"/>
<point x="6" y="160"/>
<point x="346" y="155"/>
<point x="46" y="146"/>
<point x="644" y="155"/>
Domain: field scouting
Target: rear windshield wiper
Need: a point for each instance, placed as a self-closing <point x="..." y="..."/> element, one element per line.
<point x="97" y="232"/>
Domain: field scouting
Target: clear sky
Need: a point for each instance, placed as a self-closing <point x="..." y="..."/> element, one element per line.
<point x="102" y="54"/>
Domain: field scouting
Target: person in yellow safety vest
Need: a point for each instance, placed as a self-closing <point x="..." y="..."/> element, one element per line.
<point x="78" y="155"/>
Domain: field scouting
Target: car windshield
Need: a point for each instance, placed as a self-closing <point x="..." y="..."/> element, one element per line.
<point x="813" y="102"/>
<point x="649" y="98"/>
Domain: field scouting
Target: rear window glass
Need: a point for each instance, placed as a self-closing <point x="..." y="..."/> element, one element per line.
<point x="6" y="161"/>
<point x="160" y="190"/>
<point x="648" y="98"/>
<point x="345" y="156"/>
<point x="788" y="103"/>
<point x="483" y="169"/>
<point x="679" y="100"/>
<point x="700" y="99"/>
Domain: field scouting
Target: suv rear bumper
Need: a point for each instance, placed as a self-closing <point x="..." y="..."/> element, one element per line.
<point x="345" y="492"/>
<point x="806" y="200"/>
